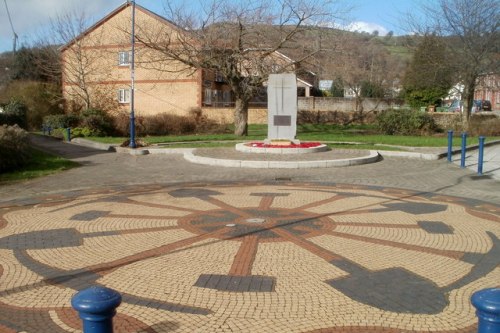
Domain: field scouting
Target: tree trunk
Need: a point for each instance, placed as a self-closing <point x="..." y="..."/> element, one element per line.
<point x="241" y="117"/>
<point x="469" y="102"/>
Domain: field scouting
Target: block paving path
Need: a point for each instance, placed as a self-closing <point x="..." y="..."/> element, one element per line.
<point x="233" y="255"/>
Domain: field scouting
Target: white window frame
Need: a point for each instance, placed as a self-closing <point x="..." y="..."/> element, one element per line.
<point x="208" y="96"/>
<point x="124" y="58"/>
<point x="124" y="96"/>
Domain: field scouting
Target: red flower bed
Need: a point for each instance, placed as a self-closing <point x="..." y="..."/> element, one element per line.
<point x="300" y="145"/>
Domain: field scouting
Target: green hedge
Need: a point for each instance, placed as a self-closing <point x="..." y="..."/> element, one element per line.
<point x="406" y="122"/>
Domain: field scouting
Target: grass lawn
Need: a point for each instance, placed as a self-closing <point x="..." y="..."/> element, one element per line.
<point x="332" y="134"/>
<point x="41" y="164"/>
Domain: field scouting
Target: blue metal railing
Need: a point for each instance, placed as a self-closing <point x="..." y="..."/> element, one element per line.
<point x="464" y="150"/>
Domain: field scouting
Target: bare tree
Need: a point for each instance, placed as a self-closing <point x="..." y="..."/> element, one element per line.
<point x="73" y="61"/>
<point x="365" y="67"/>
<point x="240" y="40"/>
<point x="471" y="31"/>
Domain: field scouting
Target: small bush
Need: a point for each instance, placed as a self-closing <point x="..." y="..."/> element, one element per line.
<point x="41" y="99"/>
<point x="61" y="121"/>
<point x="14" y="113"/>
<point x="204" y="124"/>
<point x="121" y="123"/>
<point x="90" y="122"/>
<point x="484" y="125"/>
<point x="167" y="124"/>
<point x="405" y="122"/>
<point x="98" y="121"/>
<point x="81" y="132"/>
<point x="14" y="148"/>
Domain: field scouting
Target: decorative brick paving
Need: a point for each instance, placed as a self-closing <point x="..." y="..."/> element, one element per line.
<point x="253" y="257"/>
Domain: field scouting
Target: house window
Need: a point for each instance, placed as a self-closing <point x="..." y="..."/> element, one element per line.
<point x="124" y="58"/>
<point x="124" y="96"/>
<point x="226" y="97"/>
<point x="219" y="77"/>
<point x="208" y="97"/>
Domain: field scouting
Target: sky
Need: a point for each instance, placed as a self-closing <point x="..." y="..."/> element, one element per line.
<point x="31" y="17"/>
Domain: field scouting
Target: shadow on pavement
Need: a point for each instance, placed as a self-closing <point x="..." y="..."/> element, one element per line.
<point x="58" y="147"/>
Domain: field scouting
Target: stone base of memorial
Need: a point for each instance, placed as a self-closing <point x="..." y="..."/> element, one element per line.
<point x="291" y="148"/>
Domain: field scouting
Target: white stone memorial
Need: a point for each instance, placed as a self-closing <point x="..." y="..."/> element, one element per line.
<point x="282" y="107"/>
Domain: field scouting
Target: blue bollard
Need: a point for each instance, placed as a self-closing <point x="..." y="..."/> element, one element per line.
<point x="487" y="304"/>
<point x="450" y="144"/>
<point x="464" y="144"/>
<point x="96" y="307"/>
<point x="481" y="154"/>
<point x="68" y="133"/>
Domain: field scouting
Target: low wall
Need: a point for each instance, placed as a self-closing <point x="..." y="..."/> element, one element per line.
<point x="322" y="109"/>
<point x="226" y="115"/>
<point x="337" y="104"/>
<point x="445" y="119"/>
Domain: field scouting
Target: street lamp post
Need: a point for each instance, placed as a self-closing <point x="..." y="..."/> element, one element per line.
<point x="132" y="143"/>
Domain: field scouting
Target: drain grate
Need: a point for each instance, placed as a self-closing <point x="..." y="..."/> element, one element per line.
<point x="283" y="179"/>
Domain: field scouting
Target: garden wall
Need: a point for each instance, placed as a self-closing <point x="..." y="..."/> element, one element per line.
<point x="311" y="109"/>
<point x="344" y="104"/>
<point x="226" y="115"/>
<point x="445" y="120"/>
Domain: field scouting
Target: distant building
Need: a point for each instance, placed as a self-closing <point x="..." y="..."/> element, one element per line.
<point x="96" y="65"/>
<point x="488" y="88"/>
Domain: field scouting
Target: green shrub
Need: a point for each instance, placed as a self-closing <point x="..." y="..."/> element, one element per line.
<point x="90" y="122"/>
<point x="41" y="99"/>
<point x="14" y="147"/>
<point x="80" y="132"/>
<point x="61" y="121"/>
<point x="405" y="122"/>
<point x="97" y="121"/>
<point x="14" y="113"/>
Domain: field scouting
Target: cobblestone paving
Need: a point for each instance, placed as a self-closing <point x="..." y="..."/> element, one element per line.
<point x="250" y="257"/>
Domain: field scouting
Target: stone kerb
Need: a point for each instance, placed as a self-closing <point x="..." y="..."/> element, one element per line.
<point x="372" y="157"/>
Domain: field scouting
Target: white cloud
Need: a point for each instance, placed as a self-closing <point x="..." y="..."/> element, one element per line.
<point x="367" y="27"/>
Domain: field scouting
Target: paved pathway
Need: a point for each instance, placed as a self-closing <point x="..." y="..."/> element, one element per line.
<point x="491" y="160"/>
<point x="395" y="246"/>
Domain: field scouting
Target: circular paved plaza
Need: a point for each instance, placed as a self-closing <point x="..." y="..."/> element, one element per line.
<point x="251" y="257"/>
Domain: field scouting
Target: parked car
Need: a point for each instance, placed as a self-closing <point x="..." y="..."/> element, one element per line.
<point x="486" y="105"/>
<point x="455" y="106"/>
<point x="477" y="105"/>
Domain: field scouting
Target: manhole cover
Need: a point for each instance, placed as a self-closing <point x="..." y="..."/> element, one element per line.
<point x="255" y="220"/>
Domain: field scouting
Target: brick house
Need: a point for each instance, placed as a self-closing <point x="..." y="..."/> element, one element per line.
<point x="96" y="71"/>
<point x="488" y="88"/>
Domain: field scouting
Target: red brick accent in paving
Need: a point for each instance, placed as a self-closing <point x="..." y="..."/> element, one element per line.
<point x="242" y="263"/>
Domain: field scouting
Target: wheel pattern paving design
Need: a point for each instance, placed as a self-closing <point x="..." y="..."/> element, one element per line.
<point x="251" y="257"/>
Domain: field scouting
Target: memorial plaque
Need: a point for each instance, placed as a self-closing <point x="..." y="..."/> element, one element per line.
<point x="282" y="121"/>
<point x="282" y="107"/>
